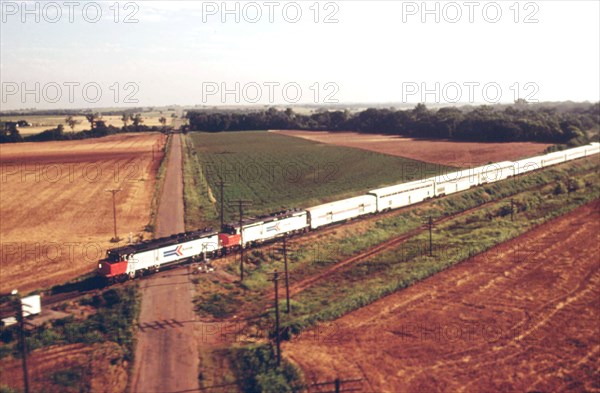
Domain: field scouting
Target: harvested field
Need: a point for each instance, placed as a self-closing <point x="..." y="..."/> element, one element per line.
<point x="520" y="317"/>
<point x="57" y="218"/>
<point x="458" y="154"/>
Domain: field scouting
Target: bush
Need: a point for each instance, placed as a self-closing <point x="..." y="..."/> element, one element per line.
<point x="257" y="371"/>
<point x="67" y="378"/>
<point x="559" y="189"/>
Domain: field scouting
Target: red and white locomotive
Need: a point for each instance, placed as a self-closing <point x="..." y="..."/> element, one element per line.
<point x="149" y="256"/>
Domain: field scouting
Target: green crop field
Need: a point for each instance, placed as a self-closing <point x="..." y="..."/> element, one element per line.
<point x="278" y="172"/>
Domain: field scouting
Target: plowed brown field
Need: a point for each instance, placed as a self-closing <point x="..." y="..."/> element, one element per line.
<point x="460" y="154"/>
<point x="56" y="217"/>
<point x="521" y="317"/>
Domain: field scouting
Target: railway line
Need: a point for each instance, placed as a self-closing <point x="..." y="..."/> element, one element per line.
<point x="94" y="284"/>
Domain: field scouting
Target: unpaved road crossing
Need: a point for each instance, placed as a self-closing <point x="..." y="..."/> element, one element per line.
<point x="166" y="357"/>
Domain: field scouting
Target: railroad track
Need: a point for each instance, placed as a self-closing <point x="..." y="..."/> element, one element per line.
<point x="79" y="289"/>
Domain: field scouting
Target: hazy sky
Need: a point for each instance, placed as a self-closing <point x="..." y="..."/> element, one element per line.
<point x="184" y="53"/>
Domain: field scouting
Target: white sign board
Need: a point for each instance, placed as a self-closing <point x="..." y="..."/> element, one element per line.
<point x="32" y="305"/>
<point x="9" y="321"/>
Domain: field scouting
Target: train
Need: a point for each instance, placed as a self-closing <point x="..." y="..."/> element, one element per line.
<point x="138" y="259"/>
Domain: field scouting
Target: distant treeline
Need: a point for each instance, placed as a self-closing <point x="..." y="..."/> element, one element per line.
<point x="573" y="124"/>
<point x="9" y="131"/>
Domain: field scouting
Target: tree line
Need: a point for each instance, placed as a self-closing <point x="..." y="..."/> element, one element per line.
<point x="573" y="124"/>
<point x="132" y="122"/>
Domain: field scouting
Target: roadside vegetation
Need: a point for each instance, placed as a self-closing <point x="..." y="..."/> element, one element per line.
<point x="198" y="199"/>
<point x="159" y="185"/>
<point x="112" y="315"/>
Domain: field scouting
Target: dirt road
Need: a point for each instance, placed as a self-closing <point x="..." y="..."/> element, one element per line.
<point x="166" y="355"/>
<point x="521" y="317"/>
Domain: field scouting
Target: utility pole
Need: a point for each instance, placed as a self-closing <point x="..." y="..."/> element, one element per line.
<point x="287" y="276"/>
<point x="241" y="203"/>
<point x="22" y="339"/>
<point x="277" y="341"/>
<point x="115" y="239"/>
<point x="430" y="224"/>
<point x="512" y="209"/>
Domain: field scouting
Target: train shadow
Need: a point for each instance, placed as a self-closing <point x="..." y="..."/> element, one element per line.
<point x="85" y="285"/>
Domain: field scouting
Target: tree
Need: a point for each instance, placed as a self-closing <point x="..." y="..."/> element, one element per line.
<point x="10" y="133"/>
<point x="163" y="121"/>
<point x="71" y="122"/>
<point x="92" y="118"/>
<point x="136" y="120"/>
<point x="125" y="120"/>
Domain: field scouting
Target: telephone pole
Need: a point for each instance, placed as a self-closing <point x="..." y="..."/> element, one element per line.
<point x="276" y="300"/>
<point x="22" y="340"/>
<point x="287" y="276"/>
<point x="115" y="239"/>
<point x="241" y="203"/>
<point x="512" y="209"/>
<point x="430" y="224"/>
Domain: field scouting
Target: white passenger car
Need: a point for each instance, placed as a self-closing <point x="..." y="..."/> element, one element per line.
<point x="553" y="158"/>
<point x="345" y="209"/>
<point x="575" y="153"/>
<point x="275" y="225"/>
<point x="405" y="194"/>
<point x="528" y="164"/>
<point x="592" y="148"/>
<point x="494" y="172"/>
<point x="449" y="183"/>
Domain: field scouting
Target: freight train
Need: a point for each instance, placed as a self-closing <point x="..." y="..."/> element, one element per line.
<point x="150" y="256"/>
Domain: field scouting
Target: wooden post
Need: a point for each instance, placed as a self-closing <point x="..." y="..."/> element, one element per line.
<point x="116" y="237"/>
<point x="512" y="209"/>
<point x="22" y="340"/>
<point x="287" y="277"/>
<point x="430" y="237"/>
<point x="241" y="203"/>
<point x="277" y="341"/>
